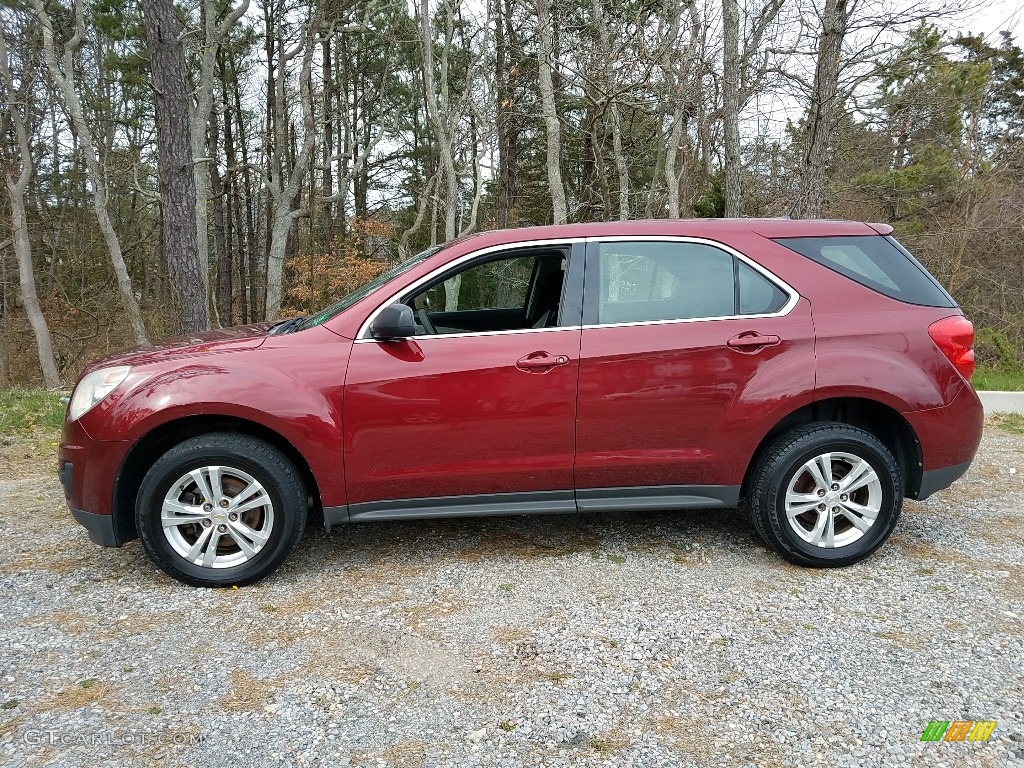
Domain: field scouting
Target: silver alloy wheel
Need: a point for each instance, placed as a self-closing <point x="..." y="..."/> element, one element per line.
<point x="217" y="517"/>
<point x="833" y="499"/>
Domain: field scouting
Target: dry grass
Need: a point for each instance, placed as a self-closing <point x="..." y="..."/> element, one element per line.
<point x="512" y="635"/>
<point x="687" y="735"/>
<point x="22" y="456"/>
<point x="1013" y="585"/>
<point x="11" y="726"/>
<point x="83" y="693"/>
<point x="248" y="693"/>
<point x="1000" y="529"/>
<point x="926" y="551"/>
<point x="902" y="639"/>
<point x="52" y="558"/>
<point x="420" y="617"/>
<point x="405" y="754"/>
<point x="63" y="621"/>
<point x="1008" y="422"/>
<point x="329" y="663"/>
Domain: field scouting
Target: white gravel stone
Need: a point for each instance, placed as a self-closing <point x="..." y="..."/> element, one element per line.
<point x="660" y="640"/>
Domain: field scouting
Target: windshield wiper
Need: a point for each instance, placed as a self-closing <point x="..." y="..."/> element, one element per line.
<point x="285" y="326"/>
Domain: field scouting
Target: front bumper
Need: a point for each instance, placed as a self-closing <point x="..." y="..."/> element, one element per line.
<point x="88" y="471"/>
<point x="100" y="527"/>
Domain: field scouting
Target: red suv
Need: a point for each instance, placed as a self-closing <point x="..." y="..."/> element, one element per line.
<point x="811" y="370"/>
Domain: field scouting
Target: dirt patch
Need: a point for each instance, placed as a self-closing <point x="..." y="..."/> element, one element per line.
<point x="23" y="456"/>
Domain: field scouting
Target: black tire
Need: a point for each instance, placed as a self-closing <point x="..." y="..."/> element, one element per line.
<point x="782" y="462"/>
<point x="282" y="516"/>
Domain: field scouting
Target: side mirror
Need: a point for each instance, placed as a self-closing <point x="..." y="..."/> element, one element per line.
<point x="394" y="323"/>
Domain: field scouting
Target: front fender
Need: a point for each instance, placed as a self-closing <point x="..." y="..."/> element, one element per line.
<point x="262" y="386"/>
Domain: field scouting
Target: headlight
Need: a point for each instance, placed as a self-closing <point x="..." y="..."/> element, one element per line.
<point x="95" y="387"/>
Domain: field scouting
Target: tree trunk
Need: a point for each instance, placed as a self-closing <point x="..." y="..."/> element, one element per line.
<point x="221" y="246"/>
<point x="552" y="127"/>
<point x="478" y="178"/>
<point x="247" y="239"/>
<point x="506" y="125"/>
<point x="283" y="191"/>
<point x="421" y="210"/>
<point x="435" y="109"/>
<point x="237" y="245"/>
<point x="731" y="106"/>
<point x="214" y="35"/>
<point x="671" y="153"/>
<point x="823" y="114"/>
<point x="612" y="111"/>
<point x="16" y="188"/>
<point x="327" y="188"/>
<point x="175" y="164"/>
<point x="65" y="80"/>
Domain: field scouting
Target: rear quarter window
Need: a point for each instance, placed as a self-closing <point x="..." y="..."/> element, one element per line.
<point x="876" y="262"/>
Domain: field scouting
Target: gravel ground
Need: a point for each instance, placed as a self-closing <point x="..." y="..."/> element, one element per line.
<point x="612" y="640"/>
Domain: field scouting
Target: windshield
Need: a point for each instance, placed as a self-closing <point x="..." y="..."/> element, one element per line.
<point x="362" y="292"/>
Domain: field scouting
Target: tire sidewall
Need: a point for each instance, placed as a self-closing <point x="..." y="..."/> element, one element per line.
<point x="165" y="472"/>
<point x="880" y="529"/>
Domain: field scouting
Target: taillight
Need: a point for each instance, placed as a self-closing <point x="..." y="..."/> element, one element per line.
<point x="955" y="337"/>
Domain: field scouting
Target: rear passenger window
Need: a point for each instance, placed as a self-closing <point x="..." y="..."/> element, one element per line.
<point x="660" y="281"/>
<point x="876" y="262"/>
<point x="651" y="281"/>
<point x="758" y="294"/>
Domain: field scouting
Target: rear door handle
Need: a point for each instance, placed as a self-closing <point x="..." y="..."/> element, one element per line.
<point x="540" y="362"/>
<point x="751" y="342"/>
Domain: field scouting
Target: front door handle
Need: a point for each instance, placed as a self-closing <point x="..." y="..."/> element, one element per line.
<point x="539" y="362"/>
<point x="751" y="341"/>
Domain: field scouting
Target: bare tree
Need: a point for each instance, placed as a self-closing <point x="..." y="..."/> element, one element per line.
<point x="679" y="73"/>
<point x="16" y="181"/>
<point x="508" y="125"/>
<point x="65" y="80"/>
<point x="743" y="73"/>
<point x="282" y="182"/>
<point x="438" y="112"/>
<point x="214" y="35"/>
<point x="404" y="251"/>
<point x="731" y="106"/>
<point x="823" y="113"/>
<point x="552" y="126"/>
<point x="607" y="56"/>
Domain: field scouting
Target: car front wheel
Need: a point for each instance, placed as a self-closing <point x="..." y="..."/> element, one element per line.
<point x="826" y="495"/>
<point x="220" y="510"/>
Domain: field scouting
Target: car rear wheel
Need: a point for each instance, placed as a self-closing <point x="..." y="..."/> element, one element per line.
<point x="826" y="495"/>
<point x="221" y="510"/>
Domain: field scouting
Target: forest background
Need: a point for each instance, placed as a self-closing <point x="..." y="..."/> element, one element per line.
<point x="171" y="167"/>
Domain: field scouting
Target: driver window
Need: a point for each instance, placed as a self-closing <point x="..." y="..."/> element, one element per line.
<point x="503" y="294"/>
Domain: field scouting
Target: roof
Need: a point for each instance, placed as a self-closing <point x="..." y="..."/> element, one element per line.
<point x="709" y="228"/>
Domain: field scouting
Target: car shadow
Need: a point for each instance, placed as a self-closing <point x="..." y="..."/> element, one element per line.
<point x="606" y="534"/>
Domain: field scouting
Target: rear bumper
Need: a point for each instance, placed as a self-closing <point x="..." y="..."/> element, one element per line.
<point x="933" y="480"/>
<point x="949" y="439"/>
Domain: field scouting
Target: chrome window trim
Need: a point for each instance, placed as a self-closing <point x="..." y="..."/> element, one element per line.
<point x="777" y="281"/>
<point x="364" y="330"/>
<point x="363" y="336"/>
